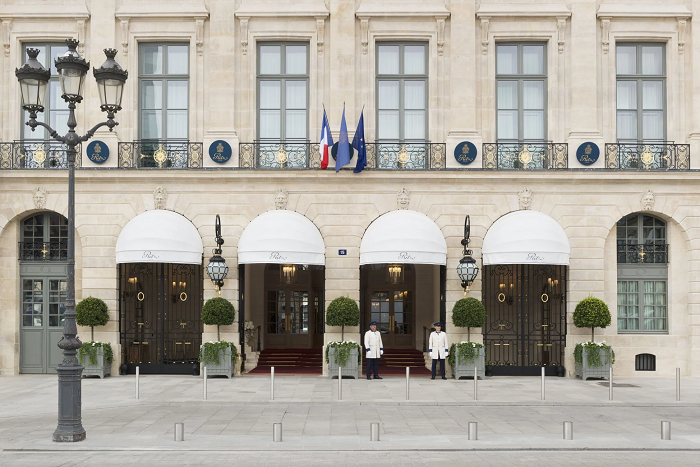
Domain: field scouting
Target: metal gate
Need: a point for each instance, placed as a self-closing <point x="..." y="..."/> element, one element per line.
<point x="160" y="311"/>
<point x="525" y="318"/>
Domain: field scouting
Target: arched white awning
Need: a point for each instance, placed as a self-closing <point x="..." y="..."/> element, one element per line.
<point x="281" y="237"/>
<point x="159" y="236"/>
<point x="526" y="237"/>
<point x="403" y="237"/>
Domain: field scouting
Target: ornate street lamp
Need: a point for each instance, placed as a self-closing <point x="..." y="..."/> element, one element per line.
<point x="467" y="269"/>
<point x="33" y="81"/>
<point x="217" y="267"/>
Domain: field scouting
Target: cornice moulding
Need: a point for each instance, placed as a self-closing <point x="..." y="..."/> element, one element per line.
<point x="402" y="10"/>
<point x="44" y="12"/>
<point x="620" y="10"/>
<point x="155" y="10"/>
<point x="251" y="10"/>
<point x="520" y="10"/>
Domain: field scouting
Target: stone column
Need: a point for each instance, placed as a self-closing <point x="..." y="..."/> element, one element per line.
<point x="341" y="62"/>
<point x="694" y="86"/>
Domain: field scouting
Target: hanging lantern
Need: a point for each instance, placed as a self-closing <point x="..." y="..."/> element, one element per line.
<point x="395" y="273"/>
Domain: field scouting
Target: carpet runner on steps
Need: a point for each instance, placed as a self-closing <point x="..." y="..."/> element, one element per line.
<point x="289" y="362"/>
<point x="395" y="361"/>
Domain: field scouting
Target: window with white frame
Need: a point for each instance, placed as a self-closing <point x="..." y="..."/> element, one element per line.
<point x="164" y="91"/>
<point x="641" y="92"/>
<point x="402" y="91"/>
<point x="283" y="91"/>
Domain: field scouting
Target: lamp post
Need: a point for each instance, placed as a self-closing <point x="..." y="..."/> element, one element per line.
<point x="467" y="269"/>
<point x="33" y="80"/>
<point x="217" y="269"/>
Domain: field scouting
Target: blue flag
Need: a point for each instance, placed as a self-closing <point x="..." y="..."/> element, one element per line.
<point x="343" y="156"/>
<point x="358" y="142"/>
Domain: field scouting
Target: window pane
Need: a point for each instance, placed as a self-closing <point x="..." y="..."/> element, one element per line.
<point x="533" y="59"/>
<point x="414" y="124"/>
<point x="177" y="124"/>
<point x="295" y="124"/>
<point x="414" y="95"/>
<point x="652" y="60"/>
<point x="388" y="124"/>
<point x="533" y="124"/>
<point x="507" y="124"/>
<point x="626" y="95"/>
<point x="177" y="94"/>
<point x="56" y="51"/>
<point x="56" y="102"/>
<point x="152" y="59"/>
<point x="533" y="94"/>
<point x="653" y="95"/>
<point x="296" y="60"/>
<point x="414" y="59"/>
<point x="626" y="60"/>
<point x="296" y="95"/>
<point x="627" y="129"/>
<point x="59" y="121"/>
<point x="507" y="59"/>
<point x="507" y="94"/>
<point x="388" y="60"/>
<point x="39" y="133"/>
<point x="151" y="94"/>
<point x="270" y="95"/>
<point x="388" y="94"/>
<point x="177" y="59"/>
<point x="653" y="125"/>
<point x="270" y="59"/>
<point x="270" y="124"/>
<point x="151" y="124"/>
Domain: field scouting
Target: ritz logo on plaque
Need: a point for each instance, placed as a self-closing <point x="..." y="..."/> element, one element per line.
<point x="98" y="152"/>
<point x="220" y="151"/>
<point x="587" y="153"/>
<point x="465" y="152"/>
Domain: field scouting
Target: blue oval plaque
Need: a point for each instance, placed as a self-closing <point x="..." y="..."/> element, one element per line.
<point x="465" y="152"/>
<point x="220" y="151"/>
<point x="587" y="153"/>
<point x="98" y="152"/>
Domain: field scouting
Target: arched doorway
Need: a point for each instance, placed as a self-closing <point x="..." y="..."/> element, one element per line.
<point x="525" y="254"/>
<point x="42" y="263"/>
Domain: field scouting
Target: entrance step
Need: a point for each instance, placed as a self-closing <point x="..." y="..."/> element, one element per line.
<point x="289" y="362"/>
<point x="395" y="361"/>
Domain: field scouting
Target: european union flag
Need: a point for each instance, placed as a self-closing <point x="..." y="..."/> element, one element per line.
<point x="343" y="156"/>
<point x="358" y="142"/>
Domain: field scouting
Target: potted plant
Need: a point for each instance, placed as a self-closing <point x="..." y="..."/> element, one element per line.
<point x="468" y="313"/>
<point x="593" y="359"/>
<point x="343" y="311"/>
<point x="220" y="357"/>
<point x="96" y="357"/>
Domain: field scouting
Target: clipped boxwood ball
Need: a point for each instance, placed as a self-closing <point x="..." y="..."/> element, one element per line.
<point x="91" y="312"/>
<point x="218" y="311"/>
<point x="343" y="311"/>
<point x="469" y="313"/>
<point x="592" y="313"/>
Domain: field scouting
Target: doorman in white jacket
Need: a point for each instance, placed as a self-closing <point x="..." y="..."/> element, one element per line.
<point x="375" y="349"/>
<point x="439" y="348"/>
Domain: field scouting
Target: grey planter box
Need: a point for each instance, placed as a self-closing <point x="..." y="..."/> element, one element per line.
<point x="225" y="366"/>
<point x="585" y="371"/>
<point x="465" y="368"/>
<point x="101" y="369"/>
<point x="351" y="368"/>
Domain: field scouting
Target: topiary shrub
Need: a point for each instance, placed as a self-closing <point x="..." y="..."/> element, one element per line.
<point x="220" y="312"/>
<point x="91" y="312"/>
<point x="343" y="311"/>
<point x="469" y="313"/>
<point x="592" y="313"/>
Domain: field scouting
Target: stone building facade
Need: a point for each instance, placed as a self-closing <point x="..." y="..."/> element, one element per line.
<point x="584" y="111"/>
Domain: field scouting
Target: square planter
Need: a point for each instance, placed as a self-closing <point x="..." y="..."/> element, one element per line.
<point x="351" y="368"/>
<point x="225" y="366"/>
<point x="465" y="368"/>
<point x="101" y="369"/>
<point x="586" y="371"/>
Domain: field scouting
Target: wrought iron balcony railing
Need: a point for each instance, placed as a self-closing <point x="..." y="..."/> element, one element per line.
<point x="161" y="154"/>
<point x="642" y="254"/>
<point x="525" y="156"/>
<point x="43" y="251"/>
<point x="406" y="156"/>
<point x="279" y="154"/>
<point x="664" y="155"/>
<point x="36" y="155"/>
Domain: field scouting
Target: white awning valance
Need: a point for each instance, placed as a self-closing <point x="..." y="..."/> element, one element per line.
<point x="526" y="237"/>
<point x="281" y="237"/>
<point x="403" y="237"/>
<point x="159" y="236"/>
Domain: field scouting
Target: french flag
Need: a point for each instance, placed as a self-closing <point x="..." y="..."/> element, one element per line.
<point x="326" y="141"/>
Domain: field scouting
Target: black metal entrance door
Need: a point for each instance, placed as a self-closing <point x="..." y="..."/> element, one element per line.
<point x="525" y="318"/>
<point x="160" y="310"/>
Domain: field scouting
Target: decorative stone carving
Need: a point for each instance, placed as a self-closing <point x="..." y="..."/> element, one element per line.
<point x="484" y="35"/>
<point x="281" y="199"/>
<point x="6" y="26"/>
<point x="40" y="195"/>
<point x="525" y="199"/>
<point x="605" y="26"/>
<point x="125" y="37"/>
<point x="681" y="34"/>
<point x="364" y="34"/>
<point x="561" y="29"/>
<point x="199" y="35"/>
<point x="441" y="35"/>
<point x="403" y="198"/>
<point x="320" y="33"/>
<point x="648" y="200"/>
<point x="244" y="35"/>
<point x="160" y="197"/>
<point x="80" y="26"/>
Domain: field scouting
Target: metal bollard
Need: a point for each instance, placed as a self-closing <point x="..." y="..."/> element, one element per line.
<point x="272" y="383"/>
<point x="542" y="390"/>
<point x="137" y="382"/>
<point x="473" y="431"/>
<point x="205" y="383"/>
<point x="476" y="378"/>
<point x="340" y="383"/>
<point x="408" y="380"/>
<point x="569" y="430"/>
<point x="678" y="384"/>
<point x="374" y="431"/>
<point x="277" y="432"/>
<point x="666" y="431"/>
<point x="610" y="380"/>
<point x="179" y="432"/>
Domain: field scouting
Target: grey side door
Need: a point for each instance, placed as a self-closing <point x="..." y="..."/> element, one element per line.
<point x="41" y="323"/>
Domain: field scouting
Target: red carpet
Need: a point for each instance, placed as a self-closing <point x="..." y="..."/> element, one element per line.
<point x="395" y="361"/>
<point x="289" y="362"/>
